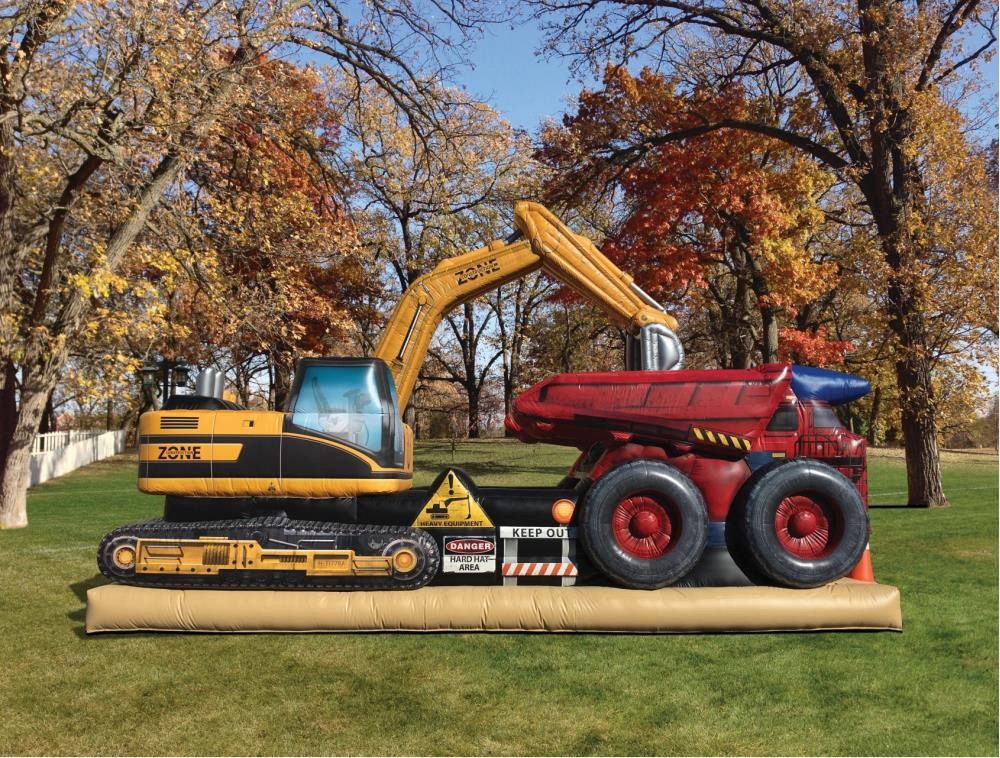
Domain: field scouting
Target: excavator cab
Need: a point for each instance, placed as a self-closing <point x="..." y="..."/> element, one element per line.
<point x="340" y="435"/>
<point x="348" y="400"/>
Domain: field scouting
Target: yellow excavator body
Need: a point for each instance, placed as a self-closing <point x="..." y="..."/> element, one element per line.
<point x="319" y="449"/>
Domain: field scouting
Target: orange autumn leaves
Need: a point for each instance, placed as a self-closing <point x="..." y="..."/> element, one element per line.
<point x="283" y="256"/>
<point x="697" y="209"/>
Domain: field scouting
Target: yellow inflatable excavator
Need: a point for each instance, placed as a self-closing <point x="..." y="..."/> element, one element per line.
<point x="320" y="495"/>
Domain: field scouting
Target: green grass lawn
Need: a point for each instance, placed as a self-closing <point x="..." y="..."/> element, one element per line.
<point x="931" y="690"/>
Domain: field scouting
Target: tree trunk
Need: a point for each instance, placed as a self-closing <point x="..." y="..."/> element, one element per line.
<point x="916" y="392"/>
<point x="14" y="485"/>
<point x="10" y="263"/>
<point x="736" y="303"/>
<point x="48" y="421"/>
<point x="470" y="385"/>
<point x="8" y="406"/>
<point x="508" y="397"/>
<point x="512" y="372"/>
<point x="35" y="390"/>
<point x="893" y="193"/>
<point x="913" y="376"/>
<point x="873" y="415"/>
<point x="282" y="382"/>
<point x="919" y="421"/>
<point x="769" y="338"/>
<point x="508" y="354"/>
<point x="241" y="385"/>
<point x="473" y="413"/>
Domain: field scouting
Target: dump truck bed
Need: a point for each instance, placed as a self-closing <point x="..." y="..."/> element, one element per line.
<point x="580" y="409"/>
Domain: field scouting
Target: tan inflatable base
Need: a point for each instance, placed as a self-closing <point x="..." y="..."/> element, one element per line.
<point x="842" y="605"/>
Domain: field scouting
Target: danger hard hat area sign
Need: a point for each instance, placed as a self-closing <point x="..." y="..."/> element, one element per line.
<point x="469" y="555"/>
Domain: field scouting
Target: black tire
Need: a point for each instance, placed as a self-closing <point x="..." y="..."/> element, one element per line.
<point x="826" y="542"/>
<point x="736" y="543"/>
<point x="634" y="498"/>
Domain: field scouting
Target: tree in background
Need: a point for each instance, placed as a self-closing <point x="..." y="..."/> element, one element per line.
<point x="722" y="224"/>
<point x="517" y="308"/>
<point x="878" y="76"/>
<point x="959" y="285"/>
<point x="100" y="105"/>
<point x="269" y="211"/>
<point x="101" y="108"/>
<point x="424" y="200"/>
<point x="254" y="261"/>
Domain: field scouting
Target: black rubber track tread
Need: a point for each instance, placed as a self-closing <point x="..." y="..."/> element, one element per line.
<point x="238" y="529"/>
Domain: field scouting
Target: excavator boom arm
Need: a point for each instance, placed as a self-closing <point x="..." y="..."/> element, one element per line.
<point x="546" y="244"/>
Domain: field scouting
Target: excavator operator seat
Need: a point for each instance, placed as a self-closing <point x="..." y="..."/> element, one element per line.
<point x="349" y="400"/>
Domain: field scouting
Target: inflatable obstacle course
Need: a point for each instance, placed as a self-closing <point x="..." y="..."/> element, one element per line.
<point x="704" y="533"/>
<point x="706" y="478"/>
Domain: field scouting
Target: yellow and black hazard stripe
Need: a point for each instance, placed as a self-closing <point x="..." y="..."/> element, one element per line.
<point x="702" y="435"/>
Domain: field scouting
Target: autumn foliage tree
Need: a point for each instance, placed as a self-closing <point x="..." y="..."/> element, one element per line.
<point x="879" y="75"/>
<point x="268" y="210"/>
<point x="102" y="106"/>
<point x="422" y="200"/>
<point x="253" y="262"/>
<point x="720" y="226"/>
<point x="89" y="144"/>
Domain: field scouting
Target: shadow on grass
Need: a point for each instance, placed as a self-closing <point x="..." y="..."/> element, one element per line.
<point x="898" y="505"/>
<point x="491" y="468"/>
<point x="80" y="614"/>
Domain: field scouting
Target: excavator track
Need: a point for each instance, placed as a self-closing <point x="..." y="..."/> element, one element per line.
<point x="268" y="553"/>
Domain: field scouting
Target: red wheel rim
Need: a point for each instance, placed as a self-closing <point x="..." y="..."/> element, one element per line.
<point x="807" y="528"/>
<point x="643" y="526"/>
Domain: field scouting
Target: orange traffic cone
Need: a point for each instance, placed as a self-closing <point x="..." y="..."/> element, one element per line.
<point x="863" y="571"/>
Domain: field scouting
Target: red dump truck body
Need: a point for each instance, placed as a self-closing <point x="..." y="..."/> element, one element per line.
<point x="717" y="426"/>
<point x="616" y="406"/>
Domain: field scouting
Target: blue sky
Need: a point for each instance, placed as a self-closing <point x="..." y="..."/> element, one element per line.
<point x="526" y="88"/>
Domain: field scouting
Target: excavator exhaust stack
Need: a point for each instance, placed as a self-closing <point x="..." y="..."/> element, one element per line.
<point x="656" y="348"/>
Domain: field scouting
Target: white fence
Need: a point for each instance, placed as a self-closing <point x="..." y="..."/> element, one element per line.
<point x="55" y="440"/>
<point x="58" y="453"/>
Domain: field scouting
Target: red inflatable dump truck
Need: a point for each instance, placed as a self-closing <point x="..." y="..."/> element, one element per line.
<point x="674" y="459"/>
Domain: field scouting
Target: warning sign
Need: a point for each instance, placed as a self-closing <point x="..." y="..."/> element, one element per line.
<point x="469" y="555"/>
<point x="536" y="532"/>
<point x="452" y="505"/>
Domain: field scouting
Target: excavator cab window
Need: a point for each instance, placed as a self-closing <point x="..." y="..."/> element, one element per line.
<point x="351" y="401"/>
